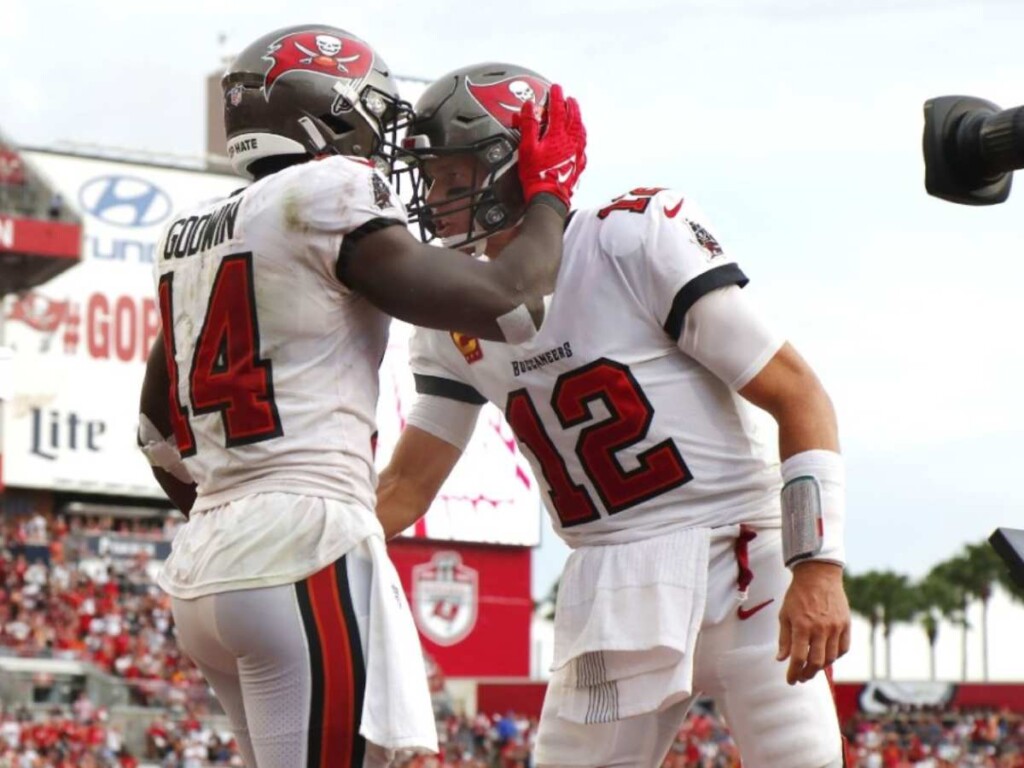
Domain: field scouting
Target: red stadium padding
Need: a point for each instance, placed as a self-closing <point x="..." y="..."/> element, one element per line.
<point x="500" y="697"/>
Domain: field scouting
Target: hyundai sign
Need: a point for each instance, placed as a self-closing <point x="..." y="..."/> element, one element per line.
<point x="124" y="201"/>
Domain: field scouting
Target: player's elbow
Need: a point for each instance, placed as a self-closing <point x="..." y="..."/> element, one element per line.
<point x="803" y="397"/>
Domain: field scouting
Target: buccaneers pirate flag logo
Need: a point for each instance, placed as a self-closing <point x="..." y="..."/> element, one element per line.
<point x="317" y="52"/>
<point x="444" y="598"/>
<point x="505" y="98"/>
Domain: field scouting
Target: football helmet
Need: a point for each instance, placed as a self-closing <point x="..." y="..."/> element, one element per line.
<point x="308" y="91"/>
<point x="472" y="111"/>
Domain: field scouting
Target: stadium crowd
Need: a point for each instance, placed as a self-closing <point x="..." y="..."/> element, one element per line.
<point x="22" y="193"/>
<point x="924" y="738"/>
<point x="60" y="599"/>
<point x="103" y="610"/>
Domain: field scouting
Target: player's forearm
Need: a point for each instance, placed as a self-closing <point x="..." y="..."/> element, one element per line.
<point x="500" y="300"/>
<point x="448" y="290"/>
<point x="399" y="505"/>
<point x="530" y="263"/>
<point x="182" y="495"/>
<point x="788" y="389"/>
<point x="807" y="421"/>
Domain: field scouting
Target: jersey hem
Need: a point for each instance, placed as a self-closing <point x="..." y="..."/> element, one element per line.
<point x="206" y="502"/>
<point x="259" y="582"/>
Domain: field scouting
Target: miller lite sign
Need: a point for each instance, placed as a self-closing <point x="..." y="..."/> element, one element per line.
<point x="445" y="595"/>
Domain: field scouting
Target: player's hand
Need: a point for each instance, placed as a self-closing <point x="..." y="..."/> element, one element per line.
<point x="552" y="156"/>
<point x="814" y="620"/>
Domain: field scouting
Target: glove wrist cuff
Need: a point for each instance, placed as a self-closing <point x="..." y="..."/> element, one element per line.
<point x="552" y="201"/>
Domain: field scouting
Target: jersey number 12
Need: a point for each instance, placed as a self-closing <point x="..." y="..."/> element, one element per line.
<point x="660" y="467"/>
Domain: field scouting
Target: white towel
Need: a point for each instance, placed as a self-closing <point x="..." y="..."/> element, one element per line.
<point x="626" y="624"/>
<point x="397" y="711"/>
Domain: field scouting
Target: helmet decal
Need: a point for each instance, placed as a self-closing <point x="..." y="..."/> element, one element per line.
<point x="234" y="95"/>
<point x="505" y="98"/>
<point x="317" y="52"/>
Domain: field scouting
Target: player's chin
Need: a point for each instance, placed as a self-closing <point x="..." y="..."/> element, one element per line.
<point x="455" y="241"/>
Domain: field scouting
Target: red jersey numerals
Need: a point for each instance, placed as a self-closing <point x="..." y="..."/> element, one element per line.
<point x="571" y="501"/>
<point x="635" y="202"/>
<point x="660" y="467"/>
<point x="179" y="414"/>
<point x="227" y="374"/>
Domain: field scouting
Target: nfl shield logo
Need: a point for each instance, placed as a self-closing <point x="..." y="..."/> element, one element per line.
<point x="444" y="596"/>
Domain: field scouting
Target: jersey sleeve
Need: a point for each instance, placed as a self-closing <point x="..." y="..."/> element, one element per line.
<point x="726" y="334"/>
<point x="450" y="420"/>
<point x="668" y="253"/>
<point x="434" y="370"/>
<point x="344" y="199"/>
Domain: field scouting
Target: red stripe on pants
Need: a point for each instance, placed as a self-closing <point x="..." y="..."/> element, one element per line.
<point x="339" y="695"/>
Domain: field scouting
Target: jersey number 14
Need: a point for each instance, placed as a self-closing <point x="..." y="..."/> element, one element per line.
<point x="226" y="375"/>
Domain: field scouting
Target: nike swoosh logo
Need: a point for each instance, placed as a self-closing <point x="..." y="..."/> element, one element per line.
<point x="564" y="177"/>
<point x="671" y="212"/>
<point x="746" y="614"/>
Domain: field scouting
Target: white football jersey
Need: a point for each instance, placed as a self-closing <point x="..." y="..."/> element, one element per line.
<point x="629" y="436"/>
<point x="275" y="359"/>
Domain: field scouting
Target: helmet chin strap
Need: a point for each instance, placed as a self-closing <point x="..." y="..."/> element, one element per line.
<point x="479" y="247"/>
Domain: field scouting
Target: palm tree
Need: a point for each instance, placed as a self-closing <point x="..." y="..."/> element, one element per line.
<point x="884" y="599"/>
<point x="984" y="568"/>
<point x="954" y="573"/>
<point x="899" y="605"/>
<point x="935" y="598"/>
<point x="862" y="593"/>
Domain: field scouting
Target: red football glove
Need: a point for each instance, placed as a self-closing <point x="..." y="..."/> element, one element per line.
<point x="552" y="160"/>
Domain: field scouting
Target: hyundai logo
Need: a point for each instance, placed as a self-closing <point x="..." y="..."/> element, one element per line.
<point x="125" y="201"/>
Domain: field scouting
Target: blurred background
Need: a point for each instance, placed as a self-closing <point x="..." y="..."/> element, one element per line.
<point x="797" y="126"/>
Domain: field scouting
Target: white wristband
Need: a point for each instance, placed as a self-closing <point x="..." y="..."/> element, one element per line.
<point x="813" y="507"/>
<point x="517" y="325"/>
<point x="161" y="451"/>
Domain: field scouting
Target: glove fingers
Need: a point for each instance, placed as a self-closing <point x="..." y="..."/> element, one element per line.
<point x="527" y="124"/>
<point x="578" y="131"/>
<point x="574" y="123"/>
<point x="551" y="147"/>
<point x="556" y="111"/>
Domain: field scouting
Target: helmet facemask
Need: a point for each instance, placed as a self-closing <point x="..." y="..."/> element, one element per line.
<point x="471" y="112"/>
<point x="365" y="124"/>
<point x="493" y="200"/>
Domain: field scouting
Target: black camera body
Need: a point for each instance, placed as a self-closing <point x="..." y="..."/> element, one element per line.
<point x="971" y="149"/>
<point x="1009" y="545"/>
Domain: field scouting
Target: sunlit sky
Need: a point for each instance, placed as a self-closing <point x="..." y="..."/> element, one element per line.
<point x="795" y="123"/>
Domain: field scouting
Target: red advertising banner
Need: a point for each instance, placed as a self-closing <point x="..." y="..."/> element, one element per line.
<point x="12" y="170"/>
<point x="104" y="326"/>
<point x="40" y="238"/>
<point x="471" y="604"/>
<point x="523" y="697"/>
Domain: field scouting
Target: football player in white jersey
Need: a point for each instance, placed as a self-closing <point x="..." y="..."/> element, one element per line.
<point x="634" y="404"/>
<point x="259" y="401"/>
